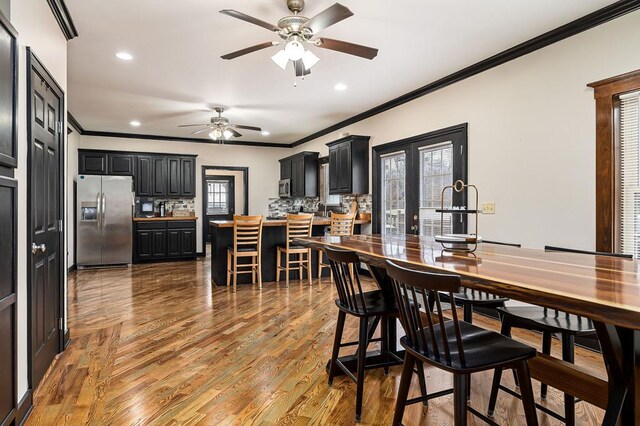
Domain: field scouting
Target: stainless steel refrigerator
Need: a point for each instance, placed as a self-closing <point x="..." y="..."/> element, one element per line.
<point x="104" y="220"/>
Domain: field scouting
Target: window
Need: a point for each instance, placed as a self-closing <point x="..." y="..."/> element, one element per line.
<point x="217" y="197"/>
<point x="393" y="193"/>
<point x="436" y="172"/>
<point x="628" y="132"/>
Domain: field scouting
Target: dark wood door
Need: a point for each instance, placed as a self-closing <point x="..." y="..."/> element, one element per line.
<point x="158" y="243"/>
<point x="45" y="195"/>
<point x="121" y="164"/>
<point x="159" y="176"/>
<point x="144" y="176"/>
<point x="144" y="245"/>
<point x="219" y="199"/>
<point x="344" y="167"/>
<point x="297" y="177"/>
<point x="188" y="177"/>
<point x="333" y="169"/>
<point x="174" y="240"/>
<point x="92" y="163"/>
<point x="173" y="180"/>
<point x="285" y="169"/>
<point x="188" y="243"/>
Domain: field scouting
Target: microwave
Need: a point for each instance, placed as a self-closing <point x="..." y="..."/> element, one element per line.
<point x="144" y="207"/>
<point x="284" y="188"/>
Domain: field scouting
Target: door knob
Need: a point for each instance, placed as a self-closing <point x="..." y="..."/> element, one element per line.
<point x="414" y="227"/>
<point x="34" y="248"/>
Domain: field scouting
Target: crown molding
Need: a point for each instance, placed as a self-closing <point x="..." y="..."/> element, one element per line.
<point x="181" y="139"/>
<point x="62" y="15"/>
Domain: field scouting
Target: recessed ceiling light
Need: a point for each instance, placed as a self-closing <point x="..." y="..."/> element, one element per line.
<point x="265" y="133"/>
<point x="340" y="87"/>
<point x="135" y="123"/>
<point x="124" y="56"/>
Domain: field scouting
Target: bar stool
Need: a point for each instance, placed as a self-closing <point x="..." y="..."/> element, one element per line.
<point x="341" y="224"/>
<point x="371" y="308"/>
<point x="247" y="242"/>
<point x="298" y="225"/>
<point x="548" y="322"/>
<point x="454" y="346"/>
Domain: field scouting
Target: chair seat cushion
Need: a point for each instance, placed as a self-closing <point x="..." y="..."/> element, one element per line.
<point x="242" y="249"/>
<point x="538" y="319"/>
<point x="376" y="303"/>
<point x="483" y="349"/>
<point x="283" y="246"/>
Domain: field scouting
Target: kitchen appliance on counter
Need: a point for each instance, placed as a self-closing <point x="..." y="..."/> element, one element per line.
<point x="104" y="220"/>
<point x="284" y="188"/>
<point x="144" y="207"/>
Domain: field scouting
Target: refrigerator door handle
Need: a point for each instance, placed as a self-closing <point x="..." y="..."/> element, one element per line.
<point x="104" y="210"/>
<point x="98" y="211"/>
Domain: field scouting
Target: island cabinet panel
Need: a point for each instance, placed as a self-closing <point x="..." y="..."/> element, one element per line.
<point x="121" y="164"/>
<point x="349" y="165"/>
<point x="302" y="169"/>
<point x="160" y="240"/>
<point x="144" y="176"/>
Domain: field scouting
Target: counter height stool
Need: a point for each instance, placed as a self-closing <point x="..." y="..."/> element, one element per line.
<point x="247" y="242"/>
<point x="298" y="225"/>
<point x="548" y="322"/>
<point x="454" y="346"/>
<point x="341" y="224"/>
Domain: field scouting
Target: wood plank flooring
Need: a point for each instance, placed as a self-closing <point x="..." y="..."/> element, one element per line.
<point x="155" y="344"/>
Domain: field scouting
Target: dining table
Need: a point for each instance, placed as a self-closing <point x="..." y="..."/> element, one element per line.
<point x="602" y="288"/>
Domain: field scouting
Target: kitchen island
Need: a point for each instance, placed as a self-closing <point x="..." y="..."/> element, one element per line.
<point x="273" y="233"/>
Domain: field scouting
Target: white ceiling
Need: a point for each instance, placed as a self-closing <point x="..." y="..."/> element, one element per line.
<point x="177" y="72"/>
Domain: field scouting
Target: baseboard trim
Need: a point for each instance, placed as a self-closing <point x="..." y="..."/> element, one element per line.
<point x="200" y="254"/>
<point x="25" y="407"/>
<point x="72" y="268"/>
<point x="67" y="339"/>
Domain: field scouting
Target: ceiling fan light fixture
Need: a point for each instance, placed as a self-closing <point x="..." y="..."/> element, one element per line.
<point x="294" y="49"/>
<point x="309" y="59"/>
<point x="281" y="59"/>
<point x="227" y="134"/>
<point x="216" y="134"/>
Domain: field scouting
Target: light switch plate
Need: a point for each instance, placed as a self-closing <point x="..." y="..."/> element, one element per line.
<point x="488" y="208"/>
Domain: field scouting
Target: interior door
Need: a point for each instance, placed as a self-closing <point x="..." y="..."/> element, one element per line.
<point x="45" y="194"/>
<point x="410" y="176"/>
<point x="220" y="198"/>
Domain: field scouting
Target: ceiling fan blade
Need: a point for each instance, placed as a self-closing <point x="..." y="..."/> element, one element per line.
<point x="246" y="50"/>
<point x="329" y="16"/>
<point x="250" y="19"/>
<point x="192" y="125"/>
<point x="201" y="130"/>
<point x="300" y="69"/>
<point x="346" y="47"/>
<point x="235" y="134"/>
<point x="240" y="126"/>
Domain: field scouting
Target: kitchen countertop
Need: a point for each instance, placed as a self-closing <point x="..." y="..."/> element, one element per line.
<point x="317" y="221"/>
<point x="153" y="219"/>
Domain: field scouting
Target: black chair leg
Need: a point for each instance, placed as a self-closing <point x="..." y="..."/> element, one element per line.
<point x="467" y="311"/>
<point x="362" y="354"/>
<point x="495" y="387"/>
<point x="422" y="381"/>
<point x="568" y="341"/>
<point x="336" y="346"/>
<point x="403" y="391"/>
<point x="526" y="391"/>
<point x="546" y="349"/>
<point x="384" y="349"/>
<point x="505" y="330"/>
<point x="460" y="399"/>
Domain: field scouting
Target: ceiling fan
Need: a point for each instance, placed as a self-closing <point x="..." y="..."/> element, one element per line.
<point x="297" y="31"/>
<point x="220" y="127"/>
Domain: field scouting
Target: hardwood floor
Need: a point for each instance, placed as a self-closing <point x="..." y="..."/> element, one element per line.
<point x="155" y="344"/>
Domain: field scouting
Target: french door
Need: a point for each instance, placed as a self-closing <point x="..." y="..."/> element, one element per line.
<point x="409" y="176"/>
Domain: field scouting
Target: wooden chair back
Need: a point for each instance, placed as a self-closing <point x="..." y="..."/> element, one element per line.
<point x="342" y="223"/>
<point x="429" y="339"/>
<point x="247" y="232"/>
<point x="298" y="225"/>
<point x="348" y="284"/>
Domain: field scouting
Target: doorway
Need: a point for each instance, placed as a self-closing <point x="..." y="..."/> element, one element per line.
<point x="409" y="176"/>
<point x="45" y="192"/>
<point x="225" y="192"/>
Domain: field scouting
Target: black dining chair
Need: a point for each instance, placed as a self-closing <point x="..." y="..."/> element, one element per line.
<point x="469" y="299"/>
<point x="371" y="308"/>
<point x="454" y="346"/>
<point x="548" y="322"/>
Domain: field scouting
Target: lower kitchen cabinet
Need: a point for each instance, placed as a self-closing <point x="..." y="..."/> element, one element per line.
<point x="160" y="240"/>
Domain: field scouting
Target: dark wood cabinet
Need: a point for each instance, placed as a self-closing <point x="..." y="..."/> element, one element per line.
<point x="160" y="175"/>
<point x="92" y="162"/>
<point x="302" y="169"/>
<point x="173" y="177"/>
<point x="188" y="175"/>
<point x="144" y="176"/>
<point x="164" y="239"/>
<point x="121" y="164"/>
<point x="349" y="165"/>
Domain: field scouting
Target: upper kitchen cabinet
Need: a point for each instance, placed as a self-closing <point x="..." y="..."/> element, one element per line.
<point x="160" y="176"/>
<point x="92" y="162"/>
<point x="121" y="164"/>
<point x="144" y="176"/>
<point x="349" y="165"/>
<point x="188" y="176"/>
<point x="302" y="169"/>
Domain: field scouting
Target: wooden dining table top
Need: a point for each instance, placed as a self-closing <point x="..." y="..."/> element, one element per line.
<point x="602" y="288"/>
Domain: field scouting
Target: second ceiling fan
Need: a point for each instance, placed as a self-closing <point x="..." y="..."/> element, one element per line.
<point x="297" y="31"/>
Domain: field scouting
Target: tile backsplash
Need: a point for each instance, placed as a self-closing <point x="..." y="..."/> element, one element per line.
<point x="279" y="207"/>
<point x="171" y="204"/>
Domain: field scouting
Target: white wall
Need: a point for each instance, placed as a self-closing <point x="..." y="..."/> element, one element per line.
<point x="238" y="192"/>
<point x="264" y="169"/>
<point x="37" y="28"/>
<point x="531" y="133"/>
